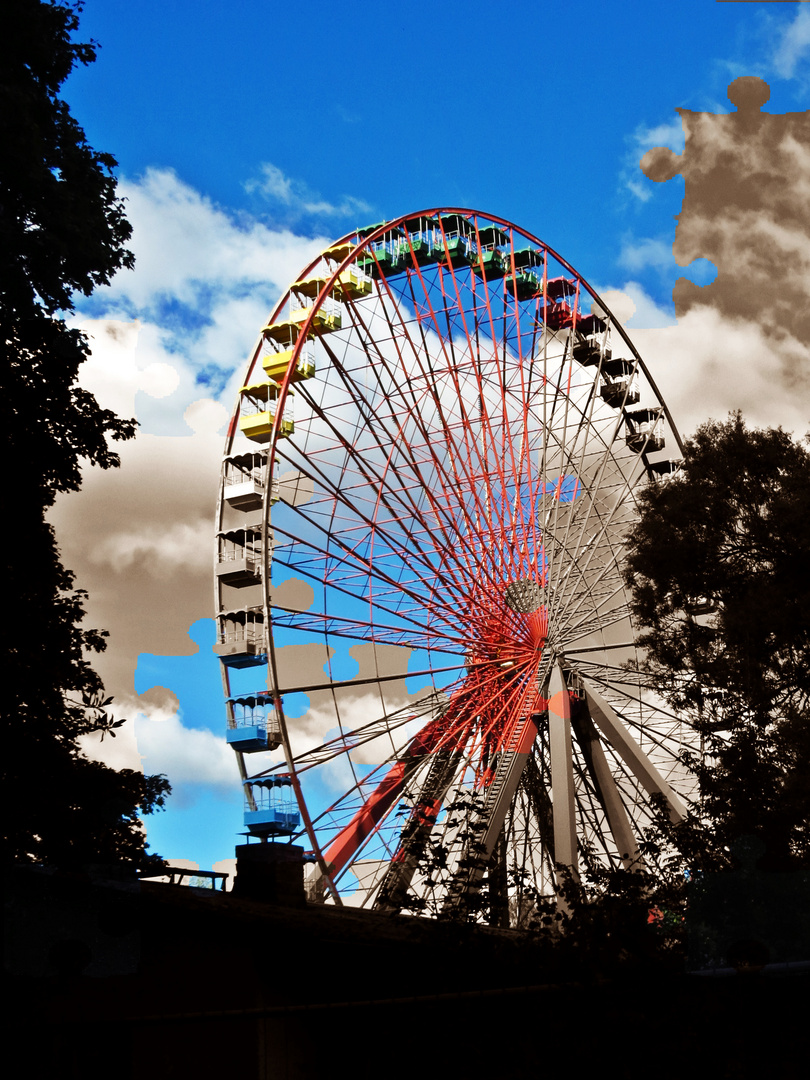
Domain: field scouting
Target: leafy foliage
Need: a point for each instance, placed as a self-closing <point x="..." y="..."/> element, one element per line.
<point x="62" y="231"/>
<point x="718" y="568"/>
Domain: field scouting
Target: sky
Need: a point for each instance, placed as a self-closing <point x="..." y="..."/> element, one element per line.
<point x="250" y="134"/>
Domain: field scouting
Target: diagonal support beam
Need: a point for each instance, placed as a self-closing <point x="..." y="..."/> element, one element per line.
<point x="616" y="733"/>
<point x="562" y="773"/>
<point x="606" y="789"/>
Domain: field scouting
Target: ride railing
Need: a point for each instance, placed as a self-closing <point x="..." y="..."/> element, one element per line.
<point x="254" y="404"/>
<point x="251" y="553"/>
<point x="330" y="311"/>
<point x="252" y="634"/>
<point x="195" y="879"/>
<point x="645" y="430"/>
<point x="276" y="363"/>
<point x="622" y="389"/>
<point x="237" y="474"/>
<point x="270" y="807"/>
<point x="262" y="716"/>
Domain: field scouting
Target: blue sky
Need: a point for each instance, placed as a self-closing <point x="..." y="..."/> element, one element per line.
<point x="249" y="134"/>
<point x="316" y="117"/>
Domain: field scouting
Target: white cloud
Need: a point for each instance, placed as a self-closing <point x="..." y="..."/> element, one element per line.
<point x="635" y="308"/>
<point x="298" y="198"/>
<point x="273" y="182"/>
<point x="793" y="45"/>
<point x="669" y="133"/>
<point x="131" y="359"/>
<point x="154" y="739"/>
<point x="206" y="415"/>
<point x="181" y="324"/>
<point x="185" y="755"/>
<point x="121" y="363"/>
<point x="185" y="246"/>
<point x="666" y="134"/>
<point x="646" y="253"/>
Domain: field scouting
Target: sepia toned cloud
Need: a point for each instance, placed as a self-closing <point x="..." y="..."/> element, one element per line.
<point x="746" y="208"/>
<point x="140" y="540"/>
<point x="708" y="365"/>
<point x="740" y="342"/>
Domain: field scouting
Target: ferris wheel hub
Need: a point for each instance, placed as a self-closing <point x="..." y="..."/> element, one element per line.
<point x="524" y="595"/>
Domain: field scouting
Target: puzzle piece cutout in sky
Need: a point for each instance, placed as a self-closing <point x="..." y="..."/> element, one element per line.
<point x="746" y="208"/>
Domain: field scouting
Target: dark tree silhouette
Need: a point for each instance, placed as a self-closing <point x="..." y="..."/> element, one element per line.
<point x="62" y="231"/>
<point x="719" y="568"/>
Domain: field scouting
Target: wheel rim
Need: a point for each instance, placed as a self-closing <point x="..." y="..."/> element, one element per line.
<point x="458" y="479"/>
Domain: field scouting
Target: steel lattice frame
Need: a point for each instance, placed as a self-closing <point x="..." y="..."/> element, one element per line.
<point x="455" y="489"/>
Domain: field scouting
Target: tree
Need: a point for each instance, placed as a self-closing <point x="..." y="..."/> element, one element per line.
<point x="62" y="231"/>
<point x="718" y="570"/>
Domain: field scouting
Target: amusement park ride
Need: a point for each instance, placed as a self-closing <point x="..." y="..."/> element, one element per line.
<point x="427" y="482"/>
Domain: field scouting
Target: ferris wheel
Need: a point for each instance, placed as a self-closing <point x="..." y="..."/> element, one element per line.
<point x="427" y="482"/>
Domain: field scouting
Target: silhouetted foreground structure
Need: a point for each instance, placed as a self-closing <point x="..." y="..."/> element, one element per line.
<point x="128" y="979"/>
